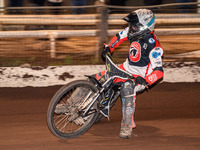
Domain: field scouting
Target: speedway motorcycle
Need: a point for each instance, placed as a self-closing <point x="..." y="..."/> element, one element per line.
<point x="76" y="106"/>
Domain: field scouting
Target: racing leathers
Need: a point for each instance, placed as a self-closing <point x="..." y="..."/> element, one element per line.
<point x="144" y="56"/>
<point x="144" y="60"/>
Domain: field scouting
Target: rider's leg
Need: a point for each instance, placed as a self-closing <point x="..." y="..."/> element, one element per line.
<point x="128" y="94"/>
<point x="128" y="101"/>
<point x="101" y="77"/>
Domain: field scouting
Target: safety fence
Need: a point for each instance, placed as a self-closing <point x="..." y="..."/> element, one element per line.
<point x="78" y="39"/>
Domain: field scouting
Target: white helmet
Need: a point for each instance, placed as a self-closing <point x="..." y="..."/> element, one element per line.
<point x="141" y="22"/>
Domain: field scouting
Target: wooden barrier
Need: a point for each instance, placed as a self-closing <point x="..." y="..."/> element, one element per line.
<point x="188" y="21"/>
<point x="58" y="22"/>
<point x="92" y="22"/>
<point x="88" y="33"/>
<point x="94" y="16"/>
<point x="53" y="34"/>
<point x="89" y="20"/>
<point x="170" y="31"/>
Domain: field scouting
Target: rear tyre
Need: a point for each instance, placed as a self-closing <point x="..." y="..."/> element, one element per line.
<point x="64" y="120"/>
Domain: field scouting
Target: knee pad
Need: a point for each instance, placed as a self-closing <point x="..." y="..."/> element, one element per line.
<point x="127" y="89"/>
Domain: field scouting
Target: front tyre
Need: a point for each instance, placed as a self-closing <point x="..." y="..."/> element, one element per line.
<point x="64" y="117"/>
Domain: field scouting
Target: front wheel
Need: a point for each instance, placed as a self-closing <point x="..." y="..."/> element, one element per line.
<point x="64" y="117"/>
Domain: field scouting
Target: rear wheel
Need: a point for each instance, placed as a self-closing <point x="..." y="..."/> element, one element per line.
<point x="64" y="117"/>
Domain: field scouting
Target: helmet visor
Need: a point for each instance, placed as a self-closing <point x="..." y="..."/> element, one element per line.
<point x="131" y="18"/>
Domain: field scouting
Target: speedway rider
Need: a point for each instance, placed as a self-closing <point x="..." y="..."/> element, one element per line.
<point x="144" y="62"/>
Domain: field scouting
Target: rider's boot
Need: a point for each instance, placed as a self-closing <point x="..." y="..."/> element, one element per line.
<point x="128" y="108"/>
<point x="125" y="131"/>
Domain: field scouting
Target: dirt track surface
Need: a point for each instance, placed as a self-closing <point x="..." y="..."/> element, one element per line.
<point x="167" y="117"/>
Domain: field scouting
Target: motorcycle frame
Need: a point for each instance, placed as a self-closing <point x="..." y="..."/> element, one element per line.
<point x="87" y="103"/>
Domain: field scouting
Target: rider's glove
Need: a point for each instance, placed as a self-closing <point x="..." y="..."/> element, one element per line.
<point x="142" y="81"/>
<point x="105" y="51"/>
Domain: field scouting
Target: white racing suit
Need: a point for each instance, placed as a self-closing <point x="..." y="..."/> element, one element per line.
<point x="144" y="60"/>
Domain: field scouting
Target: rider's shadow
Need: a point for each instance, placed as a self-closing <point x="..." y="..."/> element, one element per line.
<point x="111" y="129"/>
